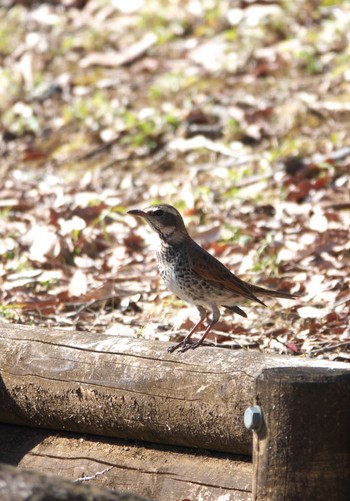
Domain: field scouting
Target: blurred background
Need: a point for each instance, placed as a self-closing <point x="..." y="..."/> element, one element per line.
<point x="236" y="112"/>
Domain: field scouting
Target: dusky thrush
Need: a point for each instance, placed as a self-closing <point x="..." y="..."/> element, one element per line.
<point x="196" y="276"/>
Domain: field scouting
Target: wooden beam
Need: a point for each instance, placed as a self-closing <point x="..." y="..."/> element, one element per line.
<point x="303" y="449"/>
<point x="155" y="471"/>
<point x="20" y="485"/>
<point x="127" y="388"/>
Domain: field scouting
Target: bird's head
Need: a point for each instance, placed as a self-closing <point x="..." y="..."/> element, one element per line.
<point x="164" y="220"/>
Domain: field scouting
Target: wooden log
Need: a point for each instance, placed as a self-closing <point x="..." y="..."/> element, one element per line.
<point x="303" y="449"/>
<point x="21" y="485"/>
<point x="120" y="387"/>
<point x="154" y="471"/>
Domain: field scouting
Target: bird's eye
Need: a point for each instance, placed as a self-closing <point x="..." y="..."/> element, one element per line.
<point x="158" y="213"/>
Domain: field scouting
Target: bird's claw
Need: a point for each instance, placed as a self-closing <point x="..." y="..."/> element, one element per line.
<point x="194" y="346"/>
<point x="172" y="348"/>
<point x="183" y="346"/>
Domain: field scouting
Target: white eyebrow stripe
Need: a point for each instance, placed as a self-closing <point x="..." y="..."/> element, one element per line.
<point x="169" y="210"/>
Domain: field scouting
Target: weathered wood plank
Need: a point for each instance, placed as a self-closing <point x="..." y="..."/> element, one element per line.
<point x="20" y="485"/>
<point x="156" y="472"/>
<point x="101" y="384"/>
<point x="303" y="449"/>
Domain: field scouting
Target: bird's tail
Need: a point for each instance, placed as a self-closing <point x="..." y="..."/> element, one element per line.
<point x="267" y="292"/>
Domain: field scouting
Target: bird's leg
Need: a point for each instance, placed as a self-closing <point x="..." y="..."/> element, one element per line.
<point x="215" y="318"/>
<point x="183" y="344"/>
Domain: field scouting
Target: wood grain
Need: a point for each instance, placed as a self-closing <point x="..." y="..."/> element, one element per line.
<point x="154" y="471"/>
<point x="22" y="485"/>
<point x="126" y="388"/>
<point x="303" y="450"/>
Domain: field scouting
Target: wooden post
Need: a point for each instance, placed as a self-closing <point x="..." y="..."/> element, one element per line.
<point x="302" y="451"/>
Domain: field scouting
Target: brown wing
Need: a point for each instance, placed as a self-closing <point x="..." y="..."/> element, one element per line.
<point x="209" y="268"/>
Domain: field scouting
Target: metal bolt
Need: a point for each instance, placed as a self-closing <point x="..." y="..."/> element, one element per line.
<point x="253" y="418"/>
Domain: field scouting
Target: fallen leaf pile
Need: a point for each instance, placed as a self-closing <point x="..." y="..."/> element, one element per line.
<point x="238" y="114"/>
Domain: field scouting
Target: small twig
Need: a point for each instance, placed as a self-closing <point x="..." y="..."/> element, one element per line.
<point x="98" y="150"/>
<point x="91" y="477"/>
<point x="330" y="347"/>
<point x="286" y="345"/>
<point x="253" y="180"/>
<point x="83" y="307"/>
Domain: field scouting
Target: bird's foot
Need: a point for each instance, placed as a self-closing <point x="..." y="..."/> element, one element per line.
<point x="173" y="348"/>
<point x="184" y="346"/>
<point x="195" y="345"/>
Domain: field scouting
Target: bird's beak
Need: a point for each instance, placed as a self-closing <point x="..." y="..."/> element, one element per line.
<point x="137" y="212"/>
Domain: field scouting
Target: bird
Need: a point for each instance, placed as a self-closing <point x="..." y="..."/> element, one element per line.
<point x="194" y="275"/>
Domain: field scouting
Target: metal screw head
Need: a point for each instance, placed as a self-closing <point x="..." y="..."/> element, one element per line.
<point x="253" y="419"/>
